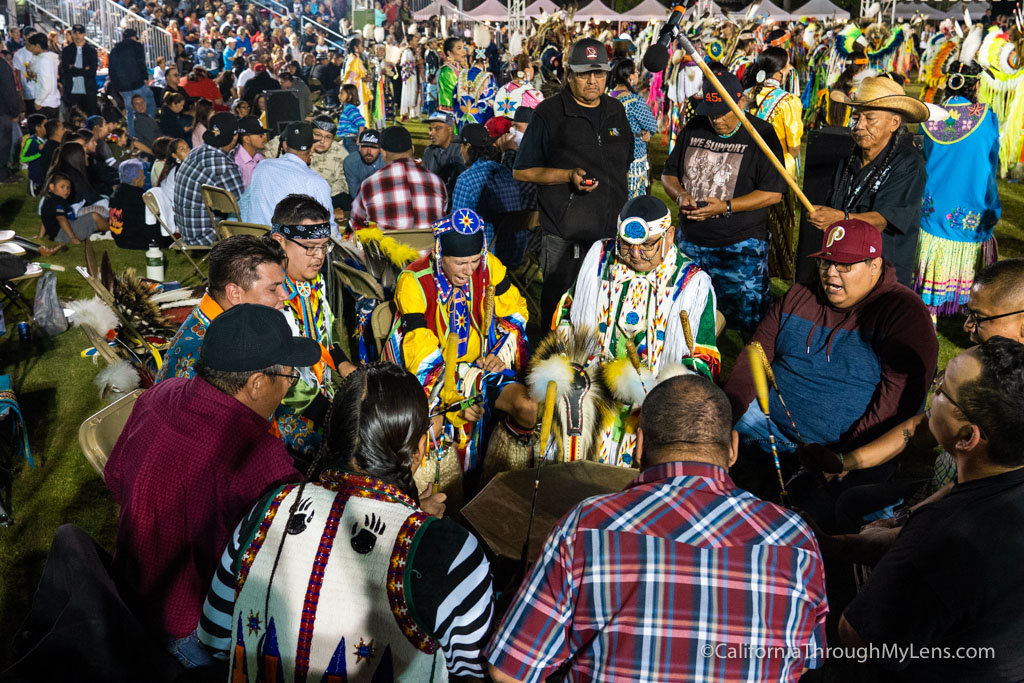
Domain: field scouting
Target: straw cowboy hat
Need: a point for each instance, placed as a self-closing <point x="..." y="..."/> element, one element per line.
<point x="884" y="93"/>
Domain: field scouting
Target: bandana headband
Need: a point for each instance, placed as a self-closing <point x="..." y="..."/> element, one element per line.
<point x="323" y="125"/>
<point x="316" y="231"/>
<point x="636" y="230"/>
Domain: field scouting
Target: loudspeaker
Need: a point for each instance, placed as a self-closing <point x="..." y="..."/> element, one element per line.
<point x="826" y="149"/>
<point x="282" y="109"/>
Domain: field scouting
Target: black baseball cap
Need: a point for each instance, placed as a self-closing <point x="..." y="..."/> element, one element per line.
<point x="713" y="104"/>
<point x="77" y="28"/>
<point x="369" y="138"/>
<point x="250" y="125"/>
<point x="299" y="136"/>
<point x="221" y="129"/>
<point x="588" y="55"/>
<point x="396" y="139"/>
<point x="475" y="134"/>
<point x="250" y="337"/>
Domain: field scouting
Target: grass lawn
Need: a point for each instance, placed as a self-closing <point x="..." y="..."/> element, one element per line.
<point x="54" y="387"/>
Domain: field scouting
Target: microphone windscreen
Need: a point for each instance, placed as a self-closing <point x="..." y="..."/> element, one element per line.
<point x="656" y="58"/>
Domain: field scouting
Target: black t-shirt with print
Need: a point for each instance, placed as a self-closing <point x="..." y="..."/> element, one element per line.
<point x="709" y="165"/>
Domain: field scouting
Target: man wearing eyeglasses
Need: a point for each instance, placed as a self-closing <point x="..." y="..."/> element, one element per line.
<point x="275" y="179"/>
<point x="995" y="308"/>
<point x="952" y="578"/>
<point x="853" y="356"/>
<point x="300" y="225"/>
<point x="634" y="289"/>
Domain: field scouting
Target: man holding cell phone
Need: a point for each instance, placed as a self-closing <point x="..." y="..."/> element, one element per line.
<point x="577" y="149"/>
<point x="723" y="185"/>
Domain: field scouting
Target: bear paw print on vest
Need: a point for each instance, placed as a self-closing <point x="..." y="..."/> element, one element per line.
<point x="364" y="539"/>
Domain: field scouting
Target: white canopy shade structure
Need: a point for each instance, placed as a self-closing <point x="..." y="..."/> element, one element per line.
<point x="489" y="10"/>
<point x="534" y="9"/>
<point x="597" y="11"/>
<point x="821" y="9"/>
<point x="907" y="10"/>
<point x="647" y="10"/>
<point x="772" y="11"/>
<point x="435" y="8"/>
<point x="705" y="8"/>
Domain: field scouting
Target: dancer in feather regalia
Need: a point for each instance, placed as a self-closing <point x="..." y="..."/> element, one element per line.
<point x="654" y="312"/>
<point x="461" y="331"/>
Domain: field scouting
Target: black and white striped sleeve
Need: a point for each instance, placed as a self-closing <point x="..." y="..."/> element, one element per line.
<point x="452" y="595"/>
<point x="215" y="621"/>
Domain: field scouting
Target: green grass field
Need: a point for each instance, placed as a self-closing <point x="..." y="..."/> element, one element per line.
<point x="54" y="386"/>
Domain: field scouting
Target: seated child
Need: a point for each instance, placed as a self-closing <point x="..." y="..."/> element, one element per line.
<point x="59" y="221"/>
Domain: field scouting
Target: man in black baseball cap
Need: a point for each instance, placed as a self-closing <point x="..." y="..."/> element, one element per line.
<point x="222" y="131"/>
<point x="252" y="139"/>
<point x="78" y="64"/>
<point x="717" y="171"/>
<point x="194" y="457"/>
<point x="577" y="149"/>
<point x="359" y="167"/>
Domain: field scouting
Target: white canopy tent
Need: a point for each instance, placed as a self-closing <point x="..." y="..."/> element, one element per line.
<point x="534" y="9"/>
<point x="907" y="10"/>
<point x="597" y="11"/>
<point x="647" y="10"/>
<point x="435" y="8"/>
<point x="774" y="12"/>
<point x="821" y="9"/>
<point x="489" y="10"/>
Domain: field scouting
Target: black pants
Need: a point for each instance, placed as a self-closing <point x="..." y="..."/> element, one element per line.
<point x="560" y="261"/>
<point x="6" y="142"/>
<point x="86" y="103"/>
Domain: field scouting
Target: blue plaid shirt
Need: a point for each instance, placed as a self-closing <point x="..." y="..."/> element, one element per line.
<point x="488" y="188"/>
<point x="204" y="165"/>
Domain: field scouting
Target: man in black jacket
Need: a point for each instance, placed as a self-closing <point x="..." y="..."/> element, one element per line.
<point x="577" y="150"/>
<point x="128" y="75"/>
<point x="78" y="63"/>
<point x="11" y="108"/>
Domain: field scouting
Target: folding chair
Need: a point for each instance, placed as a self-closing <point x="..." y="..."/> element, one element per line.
<point x="381" y="321"/>
<point x="228" y="228"/>
<point x="99" y="432"/>
<point x="359" y="281"/>
<point x="420" y="239"/>
<point x="150" y="200"/>
<point x="219" y="201"/>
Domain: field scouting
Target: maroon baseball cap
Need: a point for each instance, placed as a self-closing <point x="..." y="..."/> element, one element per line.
<point x="849" y="241"/>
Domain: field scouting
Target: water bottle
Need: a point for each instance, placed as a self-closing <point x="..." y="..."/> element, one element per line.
<point x="155" y="262"/>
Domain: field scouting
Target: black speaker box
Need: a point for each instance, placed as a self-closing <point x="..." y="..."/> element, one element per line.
<point x="826" y="149"/>
<point x="282" y="109"/>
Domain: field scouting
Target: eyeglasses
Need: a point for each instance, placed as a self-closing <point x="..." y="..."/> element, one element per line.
<point x="937" y="389"/>
<point x="325" y="248"/>
<point x="645" y="251"/>
<point x="292" y="378"/>
<point x="824" y="265"/>
<point x="975" y="320"/>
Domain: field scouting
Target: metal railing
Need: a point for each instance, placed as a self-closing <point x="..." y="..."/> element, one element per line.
<point x="104" y="23"/>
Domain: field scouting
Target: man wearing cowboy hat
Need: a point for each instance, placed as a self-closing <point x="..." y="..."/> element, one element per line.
<point x="882" y="181"/>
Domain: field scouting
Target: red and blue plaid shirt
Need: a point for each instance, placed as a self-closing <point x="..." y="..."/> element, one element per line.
<point x="402" y="195"/>
<point x="681" y="577"/>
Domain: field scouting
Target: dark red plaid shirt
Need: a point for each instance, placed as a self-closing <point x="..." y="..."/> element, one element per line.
<point x="188" y="466"/>
<point x="400" y="196"/>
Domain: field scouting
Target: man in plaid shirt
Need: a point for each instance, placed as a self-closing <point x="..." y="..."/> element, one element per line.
<point x="209" y="164"/>
<point x="680" y="577"/>
<point x="401" y="195"/>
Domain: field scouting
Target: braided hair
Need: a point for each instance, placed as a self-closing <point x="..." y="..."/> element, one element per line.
<point x="374" y="427"/>
<point x="899" y="138"/>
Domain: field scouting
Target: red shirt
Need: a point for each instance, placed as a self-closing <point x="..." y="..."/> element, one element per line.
<point x="204" y="87"/>
<point x="189" y="464"/>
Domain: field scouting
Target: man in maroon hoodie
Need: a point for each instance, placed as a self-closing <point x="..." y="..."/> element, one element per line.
<point x="853" y="355"/>
<point x="194" y="456"/>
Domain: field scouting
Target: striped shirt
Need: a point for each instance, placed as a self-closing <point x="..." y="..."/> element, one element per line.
<point x="448" y="585"/>
<point x="679" y="577"/>
<point x="350" y="120"/>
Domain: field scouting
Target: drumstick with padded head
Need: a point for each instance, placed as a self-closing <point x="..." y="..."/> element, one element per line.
<point x="545" y="431"/>
<point x="763" y="359"/>
<point x="761" y="387"/>
<point x="449" y="394"/>
<point x="684" y="320"/>
<point x="485" y="330"/>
